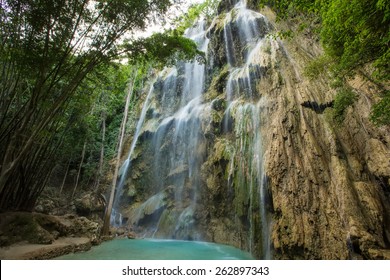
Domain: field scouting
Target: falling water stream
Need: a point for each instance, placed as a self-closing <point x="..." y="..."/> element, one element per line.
<point x="179" y="142"/>
<point x="245" y="69"/>
<point x="116" y="216"/>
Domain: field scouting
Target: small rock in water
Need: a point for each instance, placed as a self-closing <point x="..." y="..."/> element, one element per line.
<point x="120" y="231"/>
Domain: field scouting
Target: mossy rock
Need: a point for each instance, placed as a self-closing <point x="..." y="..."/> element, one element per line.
<point x="225" y="6"/>
<point x="19" y="227"/>
<point x="131" y="192"/>
<point x="219" y="82"/>
<point x="166" y="224"/>
<point x="222" y="150"/>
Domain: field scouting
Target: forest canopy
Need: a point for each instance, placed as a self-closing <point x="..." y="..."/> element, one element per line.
<point x="354" y="32"/>
<point x="50" y="51"/>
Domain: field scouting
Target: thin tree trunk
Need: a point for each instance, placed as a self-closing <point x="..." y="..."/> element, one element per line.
<point x="11" y="161"/>
<point x="78" y="173"/>
<point x="66" y="175"/>
<point x="107" y="215"/>
<point x="101" y="160"/>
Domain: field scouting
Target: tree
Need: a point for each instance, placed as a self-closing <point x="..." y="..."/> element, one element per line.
<point x="357" y="32"/>
<point x="47" y="50"/>
<point x="107" y="215"/>
<point x="206" y="9"/>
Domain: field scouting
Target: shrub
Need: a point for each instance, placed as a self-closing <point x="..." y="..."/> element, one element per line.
<point x="344" y="98"/>
<point x="380" y="114"/>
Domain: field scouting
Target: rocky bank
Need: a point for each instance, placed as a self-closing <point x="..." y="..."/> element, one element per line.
<point x="40" y="236"/>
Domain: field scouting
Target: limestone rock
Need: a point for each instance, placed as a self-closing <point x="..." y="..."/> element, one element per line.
<point x="37" y="228"/>
<point x="378" y="158"/>
<point x="45" y="206"/>
<point x="88" y="204"/>
<point x="153" y="206"/>
<point x="379" y="254"/>
<point x="42" y="236"/>
<point x="327" y="204"/>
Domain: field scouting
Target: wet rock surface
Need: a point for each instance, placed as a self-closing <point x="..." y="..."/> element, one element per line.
<point x="265" y="173"/>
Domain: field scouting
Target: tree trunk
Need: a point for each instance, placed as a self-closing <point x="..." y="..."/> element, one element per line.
<point x="66" y="175"/>
<point x="107" y="215"/>
<point x="81" y="164"/>
<point x="101" y="160"/>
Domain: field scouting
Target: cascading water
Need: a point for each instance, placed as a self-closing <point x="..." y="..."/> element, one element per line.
<point x="116" y="215"/>
<point x="184" y="158"/>
<point x="178" y="165"/>
<point x="200" y="173"/>
<point x="245" y="69"/>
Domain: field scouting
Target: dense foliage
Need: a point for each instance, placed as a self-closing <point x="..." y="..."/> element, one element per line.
<point x="381" y="111"/>
<point x="342" y="101"/>
<point x="357" y="32"/>
<point x="51" y="55"/>
<point x="163" y="49"/>
<point x="354" y="33"/>
<point x="206" y="10"/>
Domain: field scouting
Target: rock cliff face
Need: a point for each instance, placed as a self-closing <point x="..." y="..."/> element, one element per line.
<point x="329" y="182"/>
<point x="231" y="151"/>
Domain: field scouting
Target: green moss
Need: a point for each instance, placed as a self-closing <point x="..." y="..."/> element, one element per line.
<point x="223" y="150"/>
<point x="131" y="192"/>
<point x="280" y="79"/>
<point x="317" y="67"/>
<point x="267" y="47"/>
<point x="234" y="14"/>
<point x="380" y="114"/>
<point x="241" y="191"/>
<point x="218" y="84"/>
<point x="220" y="21"/>
<point x="344" y="98"/>
<point x="24" y="227"/>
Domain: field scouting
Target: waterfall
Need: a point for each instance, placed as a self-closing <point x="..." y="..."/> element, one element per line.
<point x="201" y="172"/>
<point x="245" y="69"/>
<point x="183" y="160"/>
<point x="116" y="216"/>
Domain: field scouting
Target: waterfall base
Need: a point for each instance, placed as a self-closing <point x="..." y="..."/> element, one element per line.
<point x="154" y="249"/>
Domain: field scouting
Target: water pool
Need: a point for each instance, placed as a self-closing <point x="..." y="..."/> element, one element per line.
<point x="154" y="249"/>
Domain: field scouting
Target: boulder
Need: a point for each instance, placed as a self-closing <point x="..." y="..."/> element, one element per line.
<point x="89" y="203"/>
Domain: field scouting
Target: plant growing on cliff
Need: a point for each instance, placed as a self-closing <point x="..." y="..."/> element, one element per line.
<point x="380" y="114"/>
<point x="354" y="33"/>
<point x="344" y="98"/>
<point x="317" y="67"/>
<point x="207" y="9"/>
